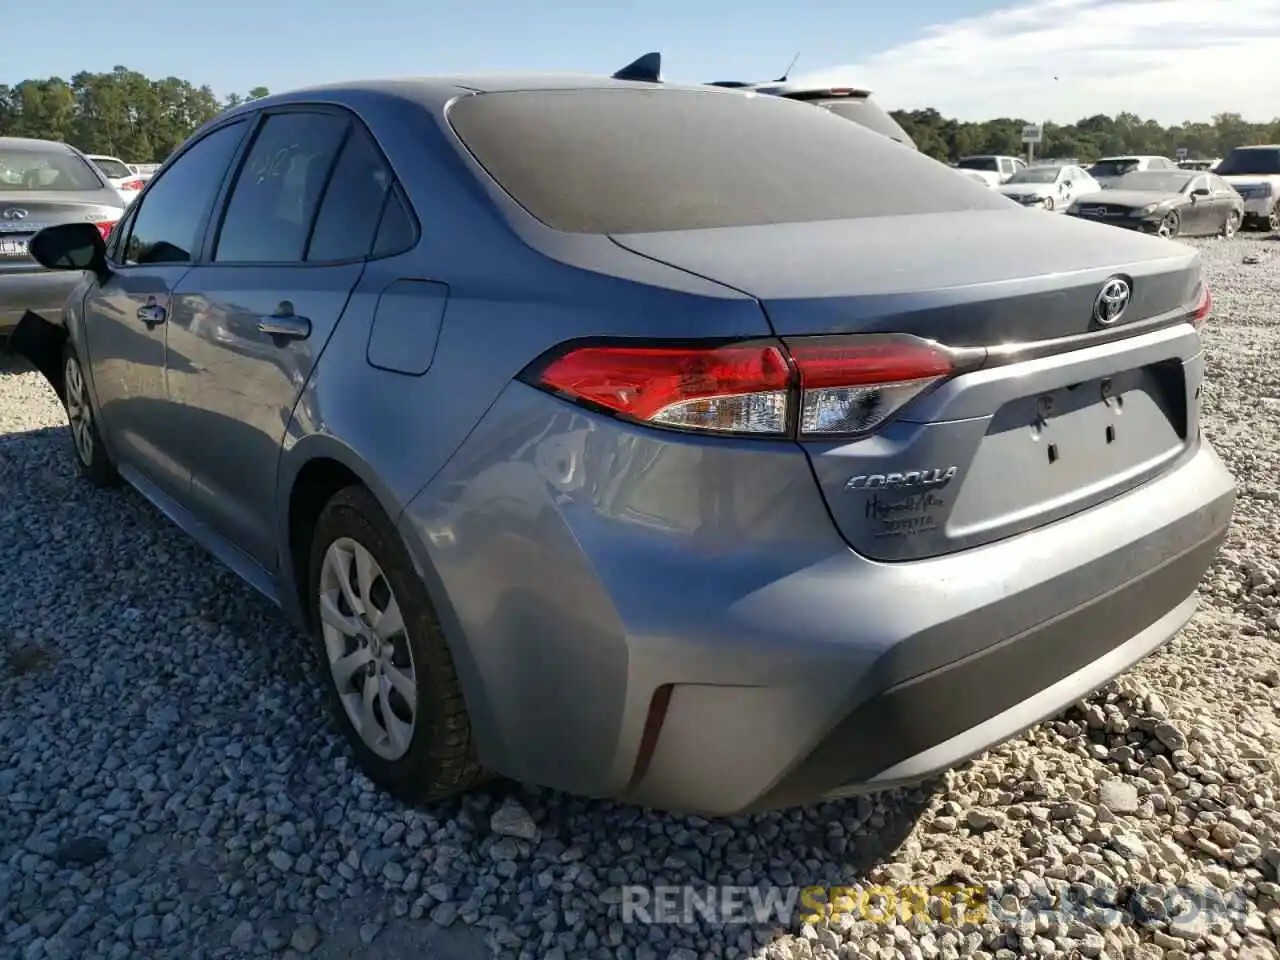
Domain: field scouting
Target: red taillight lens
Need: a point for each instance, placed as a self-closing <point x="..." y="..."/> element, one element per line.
<point x="1204" y="306"/>
<point x="131" y="185"/>
<point x="741" y="388"/>
<point x="853" y="385"/>
<point x="105" y="227"/>
<point x="817" y="387"/>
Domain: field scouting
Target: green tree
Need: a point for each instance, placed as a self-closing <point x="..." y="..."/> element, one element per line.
<point x="119" y="112"/>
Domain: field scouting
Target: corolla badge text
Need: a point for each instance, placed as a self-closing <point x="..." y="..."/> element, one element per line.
<point x="908" y="479"/>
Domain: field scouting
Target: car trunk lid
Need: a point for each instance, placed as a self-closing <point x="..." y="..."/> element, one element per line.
<point x="1027" y="437"/>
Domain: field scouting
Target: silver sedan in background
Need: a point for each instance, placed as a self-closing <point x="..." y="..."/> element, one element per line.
<point x="43" y="182"/>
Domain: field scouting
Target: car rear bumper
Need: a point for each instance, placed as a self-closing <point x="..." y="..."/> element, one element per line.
<point x="715" y="647"/>
<point x="43" y="292"/>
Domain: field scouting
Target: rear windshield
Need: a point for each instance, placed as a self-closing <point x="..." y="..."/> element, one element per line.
<point x="1115" y="168"/>
<point x="1162" y="181"/>
<point x="1036" y="175"/>
<point x="980" y="163"/>
<point x="866" y="112"/>
<point x="45" y="168"/>
<point x="1250" y="162"/>
<point x="112" y="168"/>
<point x="639" y="161"/>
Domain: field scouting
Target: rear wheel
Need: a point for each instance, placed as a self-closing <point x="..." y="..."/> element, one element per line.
<point x="1171" y="225"/>
<point x="1232" y="224"/>
<point x="1048" y="203"/>
<point x="1273" y="219"/>
<point x="392" y="684"/>
<point x="86" y="440"/>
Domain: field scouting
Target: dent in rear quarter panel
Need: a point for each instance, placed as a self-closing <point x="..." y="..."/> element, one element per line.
<point x="589" y="562"/>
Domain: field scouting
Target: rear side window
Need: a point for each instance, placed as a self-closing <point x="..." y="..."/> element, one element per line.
<point x="637" y="161"/>
<point x="352" y="205"/>
<point x="397" y="231"/>
<point x="275" y="196"/>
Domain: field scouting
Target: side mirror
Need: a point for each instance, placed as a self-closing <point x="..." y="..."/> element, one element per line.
<point x="1200" y="192"/>
<point x="70" y="246"/>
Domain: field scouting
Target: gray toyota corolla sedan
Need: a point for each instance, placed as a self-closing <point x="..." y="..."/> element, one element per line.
<point x="674" y="444"/>
<point x="43" y="182"/>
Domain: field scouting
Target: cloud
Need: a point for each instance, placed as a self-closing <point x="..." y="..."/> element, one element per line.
<point x="1168" y="60"/>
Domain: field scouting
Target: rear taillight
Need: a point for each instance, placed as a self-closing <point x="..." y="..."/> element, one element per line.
<point x="1204" y="306"/>
<point x="811" y="388"/>
<point x="131" y="185"/>
<point x="854" y="385"/>
<point x="739" y="388"/>
<point x="105" y="227"/>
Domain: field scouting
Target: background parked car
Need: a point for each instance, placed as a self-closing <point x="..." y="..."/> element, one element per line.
<point x="852" y="103"/>
<point x="1109" y="168"/>
<point x="992" y="168"/>
<point x="975" y="176"/>
<point x="1049" y="188"/>
<point x="43" y="182"/>
<point x="122" y="179"/>
<point x="1254" y="172"/>
<point x="1166" y="202"/>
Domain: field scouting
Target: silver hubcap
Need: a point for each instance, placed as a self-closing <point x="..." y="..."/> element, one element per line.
<point x="79" y="415"/>
<point x="1233" y="223"/>
<point x="1166" y="226"/>
<point x="369" y="655"/>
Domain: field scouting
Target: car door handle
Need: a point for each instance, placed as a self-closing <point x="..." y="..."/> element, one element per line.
<point x="152" y="314"/>
<point x="285" y="327"/>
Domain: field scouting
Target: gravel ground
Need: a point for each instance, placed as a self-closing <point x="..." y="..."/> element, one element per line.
<point x="170" y="786"/>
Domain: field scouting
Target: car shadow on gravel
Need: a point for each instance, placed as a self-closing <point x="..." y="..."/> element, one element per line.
<point x="219" y="791"/>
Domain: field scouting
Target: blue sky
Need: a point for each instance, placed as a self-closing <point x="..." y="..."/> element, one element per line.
<point x="237" y="44"/>
<point x="974" y="59"/>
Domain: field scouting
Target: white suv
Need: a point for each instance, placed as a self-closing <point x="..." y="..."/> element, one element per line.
<point x="992" y="168"/>
<point x="1254" y="172"/>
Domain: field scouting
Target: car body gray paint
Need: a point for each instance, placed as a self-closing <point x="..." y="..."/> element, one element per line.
<point x="580" y="563"/>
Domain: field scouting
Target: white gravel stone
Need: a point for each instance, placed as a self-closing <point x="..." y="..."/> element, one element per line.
<point x="171" y="787"/>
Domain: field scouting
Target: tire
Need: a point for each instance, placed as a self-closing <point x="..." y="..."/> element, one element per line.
<point x="1273" y="219"/>
<point x="1049" y="204"/>
<point x="1171" y="225"/>
<point x="435" y="757"/>
<point x="86" y="441"/>
<point x="1231" y="226"/>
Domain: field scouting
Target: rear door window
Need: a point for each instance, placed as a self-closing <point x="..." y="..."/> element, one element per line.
<point x="638" y="161"/>
<point x="273" y="203"/>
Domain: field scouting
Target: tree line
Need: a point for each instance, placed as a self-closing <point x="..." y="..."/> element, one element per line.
<point x="125" y="114"/>
<point x="1085" y="140"/>
<point x="122" y="113"/>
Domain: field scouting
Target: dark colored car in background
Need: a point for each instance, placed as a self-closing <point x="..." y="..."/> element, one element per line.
<point x="1169" y="203"/>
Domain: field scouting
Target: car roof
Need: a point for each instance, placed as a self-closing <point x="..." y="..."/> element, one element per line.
<point x="14" y="143"/>
<point x="435" y="92"/>
<point x="1261" y="146"/>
